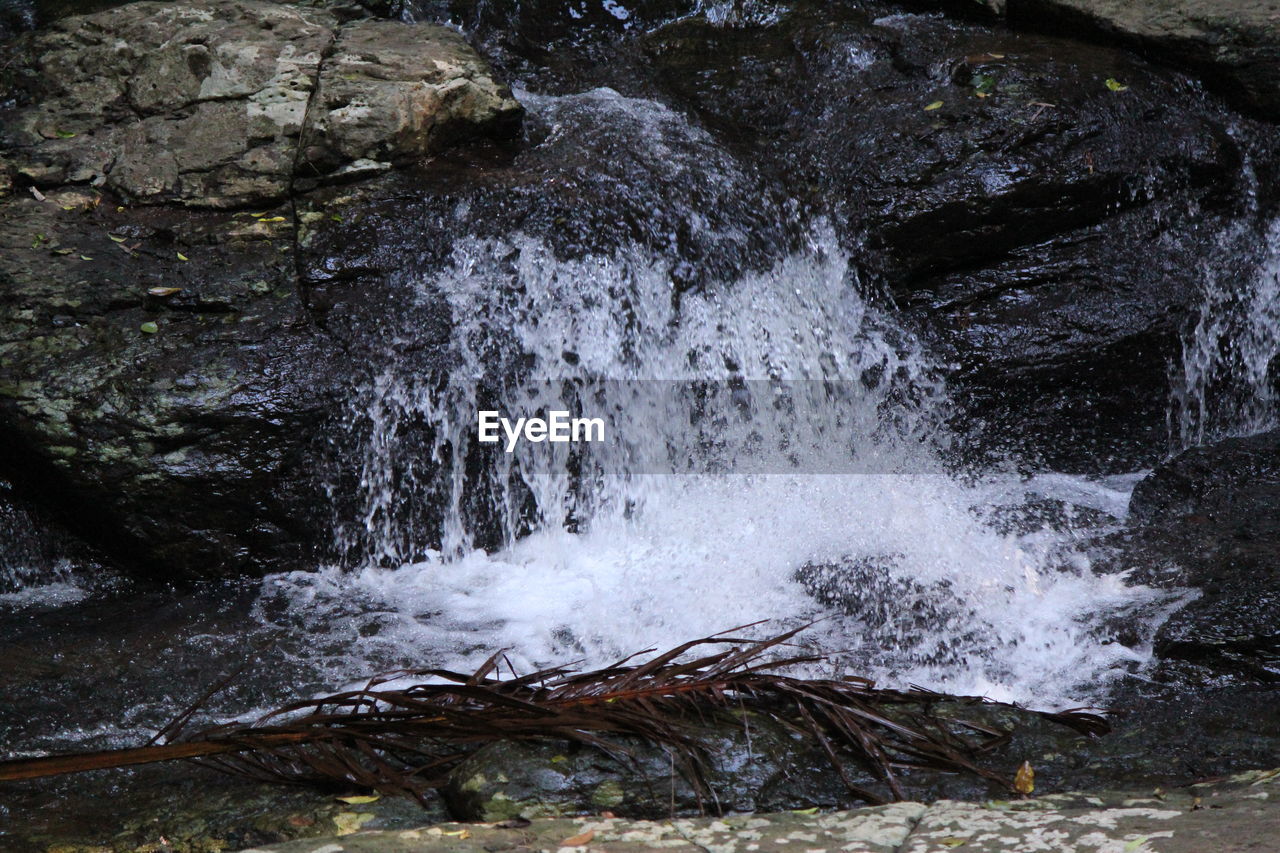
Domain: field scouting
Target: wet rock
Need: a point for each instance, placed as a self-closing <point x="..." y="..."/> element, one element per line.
<point x="1208" y="520"/>
<point x="207" y="103"/>
<point x="160" y="369"/>
<point x="773" y="768"/>
<point x="1234" y="44"/>
<point x="1003" y="218"/>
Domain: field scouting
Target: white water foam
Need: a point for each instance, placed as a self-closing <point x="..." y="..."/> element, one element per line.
<point x="919" y="589"/>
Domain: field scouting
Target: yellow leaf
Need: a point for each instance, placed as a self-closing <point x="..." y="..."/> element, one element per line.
<point x="579" y="840"/>
<point x="116" y="239"/>
<point x="272" y="219"/>
<point x="356" y="799"/>
<point x="954" y="841"/>
<point x="85" y="258"/>
<point x="936" y="105"/>
<point x="982" y="94"/>
<point x="813" y="810"/>
<point x="1115" y="85"/>
<point x="182" y="257"/>
<point x="461" y="834"/>
<point x="1024" y="781"/>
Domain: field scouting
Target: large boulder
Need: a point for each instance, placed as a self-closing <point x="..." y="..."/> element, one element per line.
<point x="999" y="185"/>
<point x="162" y="376"/>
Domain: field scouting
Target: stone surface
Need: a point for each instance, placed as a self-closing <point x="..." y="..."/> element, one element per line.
<point x="1208" y="520"/>
<point x="1236" y="814"/>
<point x="160" y="368"/>
<point x="207" y="103"/>
<point x="1004" y="220"/>
<point x="1235" y="44"/>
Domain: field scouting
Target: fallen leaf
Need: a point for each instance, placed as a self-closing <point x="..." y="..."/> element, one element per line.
<point x="1024" y="781"/>
<point x="953" y="841"/>
<point x="355" y="799"/>
<point x="272" y="219"/>
<point x="513" y="823"/>
<point x="983" y="94"/>
<point x="169" y="291"/>
<point x="85" y="258"/>
<point x="335" y="217"/>
<point x="1135" y="844"/>
<point x="936" y="105"/>
<point x="39" y="196"/>
<point x="579" y="840"/>
<point x="1115" y="85"/>
<point x="182" y="257"/>
<point x="461" y="834"/>
<point x="116" y="239"/>
<point x="813" y="810"/>
<point x="149" y="328"/>
<point x="64" y="134"/>
<point x="63" y="251"/>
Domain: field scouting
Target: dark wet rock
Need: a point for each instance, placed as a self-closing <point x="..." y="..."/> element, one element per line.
<point x="1006" y="228"/>
<point x="1234" y="44"/>
<point x="1208" y="520"/>
<point x="183" y="809"/>
<point x="215" y="117"/>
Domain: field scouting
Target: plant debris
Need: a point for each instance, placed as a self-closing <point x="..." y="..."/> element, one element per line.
<point x="396" y="739"/>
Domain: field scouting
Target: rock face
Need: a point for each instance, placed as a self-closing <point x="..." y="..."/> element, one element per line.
<point x="162" y="377"/>
<point x="211" y="104"/>
<point x="1211" y="515"/>
<point x="1043" y="231"/>
<point x="1235" y="44"/>
<point x="990" y="181"/>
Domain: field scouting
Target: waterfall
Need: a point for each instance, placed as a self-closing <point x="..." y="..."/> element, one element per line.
<point x="1224" y="384"/>
<point x="776" y="451"/>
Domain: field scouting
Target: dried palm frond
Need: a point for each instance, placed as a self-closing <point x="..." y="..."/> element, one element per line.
<point x="404" y="739"/>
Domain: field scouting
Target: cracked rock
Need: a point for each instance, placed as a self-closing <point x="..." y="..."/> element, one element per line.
<point x="206" y="102"/>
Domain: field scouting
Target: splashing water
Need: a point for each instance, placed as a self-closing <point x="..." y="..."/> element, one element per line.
<point x="779" y="455"/>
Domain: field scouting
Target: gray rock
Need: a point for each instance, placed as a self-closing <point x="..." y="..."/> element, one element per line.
<point x="207" y="102"/>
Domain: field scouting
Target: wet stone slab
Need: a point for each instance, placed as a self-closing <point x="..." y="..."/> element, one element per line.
<point x="1236" y="814"/>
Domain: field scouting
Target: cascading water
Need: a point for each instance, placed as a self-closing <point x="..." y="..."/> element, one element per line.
<point x="775" y="452"/>
<point x="1226" y="385"/>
